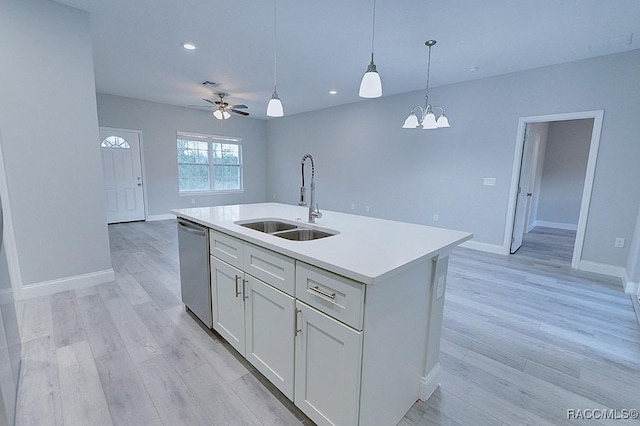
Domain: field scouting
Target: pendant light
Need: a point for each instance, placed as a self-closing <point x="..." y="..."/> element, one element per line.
<point x="427" y="118"/>
<point x="274" y="108"/>
<point x="371" y="85"/>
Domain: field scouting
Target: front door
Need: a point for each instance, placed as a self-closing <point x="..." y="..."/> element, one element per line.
<point x="122" y="175"/>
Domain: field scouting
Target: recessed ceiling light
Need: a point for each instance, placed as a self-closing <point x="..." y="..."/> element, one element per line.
<point x="333" y="92"/>
<point x="474" y="69"/>
<point x="189" y="46"/>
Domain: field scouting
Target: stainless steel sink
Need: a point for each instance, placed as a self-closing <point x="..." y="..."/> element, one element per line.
<point x="269" y="226"/>
<point x="303" y="234"/>
<point x="287" y="230"/>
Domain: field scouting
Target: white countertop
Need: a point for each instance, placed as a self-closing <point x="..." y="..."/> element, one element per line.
<point x="367" y="249"/>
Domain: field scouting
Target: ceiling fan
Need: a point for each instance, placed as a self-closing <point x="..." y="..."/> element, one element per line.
<point x="223" y="109"/>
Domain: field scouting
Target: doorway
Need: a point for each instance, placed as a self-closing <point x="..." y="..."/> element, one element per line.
<point x="566" y="203"/>
<point x="122" y="169"/>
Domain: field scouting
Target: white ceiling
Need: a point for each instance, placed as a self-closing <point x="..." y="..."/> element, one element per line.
<point x="325" y="45"/>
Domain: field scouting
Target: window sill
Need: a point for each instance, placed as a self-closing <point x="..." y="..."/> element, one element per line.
<point x="200" y="193"/>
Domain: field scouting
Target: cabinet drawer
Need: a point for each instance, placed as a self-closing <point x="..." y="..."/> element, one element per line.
<point x="272" y="268"/>
<point x="332" y="294"/>
<point x="226" y="248"/>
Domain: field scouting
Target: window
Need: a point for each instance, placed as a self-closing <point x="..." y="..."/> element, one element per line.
<point x="115" y="142"/>
<point x="209" y="163"/>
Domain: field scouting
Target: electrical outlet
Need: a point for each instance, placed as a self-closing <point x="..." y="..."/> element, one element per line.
<point x="440" y="287"/>
<point x="274" y="196"/>
<point x="353" y="206"/>
<point x="619" y="243"/>
<point x="366" y="209"/>
<point x="435" y="217"/>
<point x="489" y="182"/>
<point x="193" y="201"/>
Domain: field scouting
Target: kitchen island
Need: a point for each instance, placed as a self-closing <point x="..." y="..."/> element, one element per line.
<point x="346" y="326"/>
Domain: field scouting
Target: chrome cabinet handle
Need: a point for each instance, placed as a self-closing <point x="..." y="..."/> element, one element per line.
<point x="237" y="291"/>
<point x="245" y="296"/>
<point x="316" y="289"/>
<point x="295" y="324"/>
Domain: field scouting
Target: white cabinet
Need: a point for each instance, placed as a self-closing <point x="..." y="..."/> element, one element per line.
<point x="270" y="334"/>
<point x="328" y="360"/>
<point x="228" y="302"/>
<point x="253" y="316"/>
<point x="345" y="353"/>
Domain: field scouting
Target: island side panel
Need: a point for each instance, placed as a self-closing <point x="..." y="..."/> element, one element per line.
<point x="395" y="344"/>
<point x="431" y="376"/>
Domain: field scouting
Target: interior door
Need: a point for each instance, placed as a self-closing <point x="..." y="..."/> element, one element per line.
<point x="520" y="218"/>
<point x="122" y="171"/>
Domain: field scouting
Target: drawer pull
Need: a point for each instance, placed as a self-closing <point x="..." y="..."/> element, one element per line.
<point x="317" y="291"/>
<point x="237" y="290"/>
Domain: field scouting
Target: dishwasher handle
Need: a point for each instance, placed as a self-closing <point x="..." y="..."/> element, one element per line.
<point x="192" y="228"/>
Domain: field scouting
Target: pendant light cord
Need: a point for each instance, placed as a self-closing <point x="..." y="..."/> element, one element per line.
<point x="275" y="56"/>
<point x="373" y="32"/>
<point x="428" y="72"/>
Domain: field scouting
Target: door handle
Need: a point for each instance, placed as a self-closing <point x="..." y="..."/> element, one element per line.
<point x="529" y="194"/>
<point x="245" y="296"/>
<point x="295" y="323"/>
<point x="237" y="290"/>
<point x="139" y="184"/>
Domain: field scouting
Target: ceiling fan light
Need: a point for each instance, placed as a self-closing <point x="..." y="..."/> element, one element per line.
<point x="274" y="108"/>
<point x="443" y="121"/>
<point x="225" y="115"/>
<point x="429" y="121"/>
<point x="218" y="114"/>
<point x="411" y="122"/>
<point x="371" y="85"/>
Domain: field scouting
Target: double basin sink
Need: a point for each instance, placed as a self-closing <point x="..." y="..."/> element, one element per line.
<point x="286" y="230"/>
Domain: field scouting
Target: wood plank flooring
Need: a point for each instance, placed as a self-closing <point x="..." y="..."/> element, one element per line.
<point x="525" y="338"/>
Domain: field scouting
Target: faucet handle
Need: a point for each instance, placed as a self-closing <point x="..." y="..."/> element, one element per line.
<point x="317" y="213"/>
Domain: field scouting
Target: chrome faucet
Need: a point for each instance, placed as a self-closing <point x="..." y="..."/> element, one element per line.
<point x="313" y="214"/>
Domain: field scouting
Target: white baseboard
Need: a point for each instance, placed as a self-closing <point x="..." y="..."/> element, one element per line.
<point x="604" y="269"/>
<point x="430" y="383"/>
<point x="632" y="288"/>
<point x="557" y="225"/>
<point x="64" y="284"/>
<point x="154" y="217"/>
<point x="489" y="248"/>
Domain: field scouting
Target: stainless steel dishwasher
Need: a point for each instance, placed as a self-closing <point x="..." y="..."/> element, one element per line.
<point x="193" y="243"/>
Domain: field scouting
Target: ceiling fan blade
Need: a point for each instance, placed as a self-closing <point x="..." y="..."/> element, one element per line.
<point x="200" y="106"/>
<point x="238" y="112"/>
<point x="210" y="101"/>
<point x="238" y="106"/>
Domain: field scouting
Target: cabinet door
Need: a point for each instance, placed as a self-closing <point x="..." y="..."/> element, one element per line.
<point x="227" y="303"/>
<point x="270" y="333"/>
<point x="328" y="360"/>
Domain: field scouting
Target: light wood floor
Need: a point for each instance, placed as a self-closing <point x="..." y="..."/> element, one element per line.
<point x="524" y="339"/>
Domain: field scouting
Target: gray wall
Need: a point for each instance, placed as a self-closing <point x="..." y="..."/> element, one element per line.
<point x="364" y="157"/>
<point x="49" y="141"/>
<point x="563" y="173"/>
<point x="159" y="124"/>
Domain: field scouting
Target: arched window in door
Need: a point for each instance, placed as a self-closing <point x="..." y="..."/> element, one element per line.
<point x="115" y="142"/>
